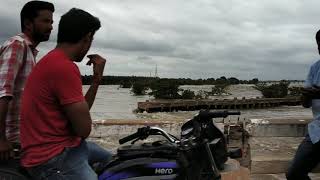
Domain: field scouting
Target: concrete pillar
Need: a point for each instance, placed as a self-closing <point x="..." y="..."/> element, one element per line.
<point x="233" y="171"/>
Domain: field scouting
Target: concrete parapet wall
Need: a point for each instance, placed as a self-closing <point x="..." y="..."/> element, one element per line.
<point x="279" y="176"/>
<point x="124" y="128"/>
<point x="283" y="130"/>
<point x="108" y="132"/>
<point x="278" y="127"/>
<point x="273" y="144"/>
<point x="119" y="128"/>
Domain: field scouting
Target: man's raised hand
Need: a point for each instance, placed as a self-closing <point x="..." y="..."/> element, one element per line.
<point x="98" y="66"/>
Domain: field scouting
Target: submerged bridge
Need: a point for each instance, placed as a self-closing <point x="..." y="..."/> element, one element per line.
<point x="191" y="105"/>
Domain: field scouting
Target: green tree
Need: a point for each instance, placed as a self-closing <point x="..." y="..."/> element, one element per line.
<point x="254" y="81"/>
<point x="125" y="84"/>
<point x="233" y="80"/>
<point x="202" y="95"/>
<point x="279" y="90"/>
<point x="295" y="91"/>
<point x="139" y="88"/>
<point x="219" y="89"/>
<point x="221" y="80"/>
<point x="162" y="89"/>
<point x="187" y="94"/>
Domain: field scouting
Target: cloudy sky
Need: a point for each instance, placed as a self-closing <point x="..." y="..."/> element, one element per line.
<point x="269" y="40"/>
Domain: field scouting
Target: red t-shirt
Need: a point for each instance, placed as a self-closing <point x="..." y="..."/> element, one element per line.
<point x="44" y="129"/>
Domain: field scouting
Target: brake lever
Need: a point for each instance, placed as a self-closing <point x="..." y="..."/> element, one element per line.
<point x="144" y="134"/>
<point x="134" y="141"/>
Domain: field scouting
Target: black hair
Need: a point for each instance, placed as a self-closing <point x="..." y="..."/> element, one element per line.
<point x="318" y="36"/>
<point x="30" y="10"/>
<point x="76" y="24"/>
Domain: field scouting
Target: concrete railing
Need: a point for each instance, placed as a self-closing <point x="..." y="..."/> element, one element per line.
<point x="273" y="143"/>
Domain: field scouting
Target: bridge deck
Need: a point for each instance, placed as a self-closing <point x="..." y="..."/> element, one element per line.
<point x="190" y="105"/>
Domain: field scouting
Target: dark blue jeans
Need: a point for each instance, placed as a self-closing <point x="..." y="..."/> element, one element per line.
<point x="307" y="157"/>
<point x="72" y="164"/>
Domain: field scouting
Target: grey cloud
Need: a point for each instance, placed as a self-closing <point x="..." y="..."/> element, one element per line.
<point x="197" y="38"/>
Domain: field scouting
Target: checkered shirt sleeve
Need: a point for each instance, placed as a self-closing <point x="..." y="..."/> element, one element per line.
<point x="11" y="59"/>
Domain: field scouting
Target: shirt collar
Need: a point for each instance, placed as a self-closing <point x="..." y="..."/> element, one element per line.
<point x="29" y="43"/>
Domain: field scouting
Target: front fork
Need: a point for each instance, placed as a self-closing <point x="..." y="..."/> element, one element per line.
<point x="213" y="166"/>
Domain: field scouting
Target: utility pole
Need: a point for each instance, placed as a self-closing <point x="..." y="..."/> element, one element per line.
<point x="156" y="71"/>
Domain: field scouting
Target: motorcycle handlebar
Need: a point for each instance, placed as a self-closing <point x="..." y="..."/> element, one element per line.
<point x="142" y="133"/>
<point x="129" y="138"/>
<point x="216" y="114"/>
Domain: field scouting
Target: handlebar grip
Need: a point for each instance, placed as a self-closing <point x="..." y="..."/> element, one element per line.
<point x="142" y="133"/>
<point x="217" y="114"/>
<point x="234" y="113"/>
<point x="129" y="138"/>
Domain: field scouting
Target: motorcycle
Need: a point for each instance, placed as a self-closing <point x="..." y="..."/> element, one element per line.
<point x="199" y="154"/>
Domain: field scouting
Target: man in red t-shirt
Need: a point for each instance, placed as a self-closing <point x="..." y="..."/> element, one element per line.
<point x="55" y="118"/>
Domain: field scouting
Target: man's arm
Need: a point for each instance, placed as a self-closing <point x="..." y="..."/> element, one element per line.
<point x="79" y="116"/>
<point x="312" y="92"/>
<point x="98" y="67"/>
<point x="4" y="104"/>
<point x="5" y="145"/>
<point x="92" y="92"/>
<point x="10" y="60"/>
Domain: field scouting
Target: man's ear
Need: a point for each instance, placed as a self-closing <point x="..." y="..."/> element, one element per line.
<point x="28" y="24"/>
<point x="88" y="37"/>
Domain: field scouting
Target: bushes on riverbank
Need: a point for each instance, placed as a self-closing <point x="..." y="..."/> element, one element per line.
<point x="139" y="88"/>
<point x="169" y="89"/>
<point x="274" y="90"/>
<point x="161" y="89"/>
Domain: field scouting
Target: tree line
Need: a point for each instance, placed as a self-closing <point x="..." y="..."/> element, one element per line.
<point x="128" y="81"/>
<point x="168" y="88"/>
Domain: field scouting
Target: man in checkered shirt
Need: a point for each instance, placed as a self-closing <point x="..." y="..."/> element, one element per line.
<point x="17" y="58"/>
